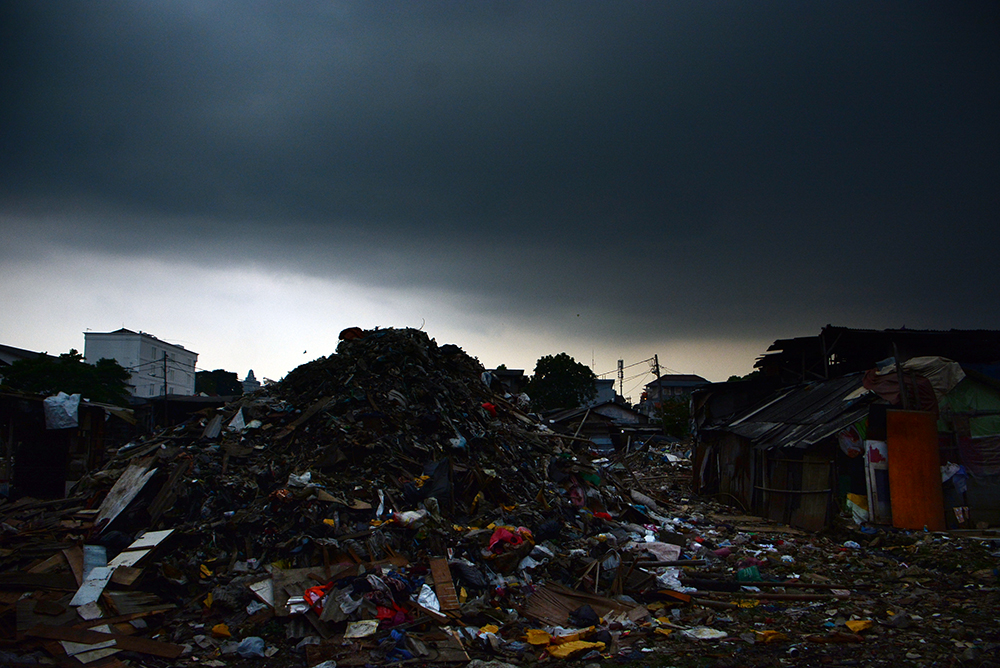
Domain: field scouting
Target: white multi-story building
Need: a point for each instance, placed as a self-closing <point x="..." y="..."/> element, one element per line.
<point x="157" y="367"/>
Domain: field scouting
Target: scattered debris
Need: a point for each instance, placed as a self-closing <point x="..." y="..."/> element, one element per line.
<point x="385" y="505"/>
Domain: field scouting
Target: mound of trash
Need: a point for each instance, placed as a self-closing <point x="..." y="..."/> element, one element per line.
<point x="387" y="503"/>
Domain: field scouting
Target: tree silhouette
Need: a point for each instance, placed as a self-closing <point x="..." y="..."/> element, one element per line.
<point x="560" y="381"/>
<point x="105" y="382"/>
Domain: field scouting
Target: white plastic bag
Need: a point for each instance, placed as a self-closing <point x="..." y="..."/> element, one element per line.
<point x="62" y="411"/>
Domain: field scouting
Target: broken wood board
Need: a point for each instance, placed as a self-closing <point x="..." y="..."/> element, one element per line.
<point x="92" y="587"/>
<point x="306" y="414"/>
<point x="125" y="576"/>
<point x="90" y="652"/>
<point x="552" y="604"/>
<point x="753" y="524"/>
<point x="119" y="619"/>
<point x="264" y="590"/>
<point x="443" y="585"/>
<point x="50" y="564"/>
<point x="28" y="581"/>
<point x="140" y="548"/>
<point x="136" y="602"/>
<point x="167" y="494"/>
<point x="292" y="582"/>
<point x="74" y="557"/>
<point x="124" y="491"/>
<point x="130" y="643"/>
<point x="28" y="614"/>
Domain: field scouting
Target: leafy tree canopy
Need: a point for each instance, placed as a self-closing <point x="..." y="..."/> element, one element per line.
<point x="675" y="417"/>
<point x="105" y="382"/>
<point x="561" y="382"/>
<point x="219" y="382"/>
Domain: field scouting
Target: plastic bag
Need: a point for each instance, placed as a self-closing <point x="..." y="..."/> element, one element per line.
<point x="251" y="647"/>
<point x="429" y="599"/>
<point x="62" y="411"/>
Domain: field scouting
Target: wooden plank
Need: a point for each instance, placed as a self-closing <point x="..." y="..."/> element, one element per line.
<point x="129" y="558"/>
<point x="122" y="618"/>
<point x="308" y="413"/>
<point x="125" y="576"/>
<point x="125" y="489"/>
<point x="149" y="540"/>
<point x="443" y="585"/>
<point x="74" y="556"/>
<point x="167" y="496"/>
<point x="130" y="602"/>
<point x="28" y="617"/>
<point x="26" y="581"/>
<point x="130" y="643"/>
<point x="92" y="587"/>
<point x="49" y="564"/>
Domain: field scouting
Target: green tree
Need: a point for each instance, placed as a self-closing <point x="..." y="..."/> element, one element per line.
<point x="675" y="417"/>
<point x="105" y="382"/>
<point x="560" y="382"/>
<point x="750" y="376"/>
<point x="218" y="382"/>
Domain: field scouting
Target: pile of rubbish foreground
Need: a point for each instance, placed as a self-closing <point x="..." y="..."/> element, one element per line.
<point x="384" y="506"/>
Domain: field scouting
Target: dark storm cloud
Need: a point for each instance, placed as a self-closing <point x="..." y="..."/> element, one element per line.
<point x="682" y="167"/>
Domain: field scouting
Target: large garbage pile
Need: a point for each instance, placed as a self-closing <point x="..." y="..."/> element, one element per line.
<point x="387" y="504"/>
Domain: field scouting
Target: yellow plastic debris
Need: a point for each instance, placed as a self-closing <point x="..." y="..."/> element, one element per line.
<point x="664" y="632"/>
<point x="330" y="523"/>
<point x="859" y="625"/>
<point x="490" y="628"/>
<point x="770" y="636"/>
<point x="568" y="649"/>
<point x="538" y="637"/>
<point x="572" y="637"/>
<point x="205" y="572"/>
<point x="221" y="631"/>
<point x="209" y="600"/>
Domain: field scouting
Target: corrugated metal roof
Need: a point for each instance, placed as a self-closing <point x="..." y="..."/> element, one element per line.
<point x="803" y="415"/>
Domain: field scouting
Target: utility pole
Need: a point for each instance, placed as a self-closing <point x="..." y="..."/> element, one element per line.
<point x="659" y="382"/>
<point x="621" y="378"/>
<point x="165" y="388"/>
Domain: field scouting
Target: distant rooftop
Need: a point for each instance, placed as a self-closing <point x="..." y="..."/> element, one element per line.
<point x="678" y="380"/>
<point x="139" y="333"/>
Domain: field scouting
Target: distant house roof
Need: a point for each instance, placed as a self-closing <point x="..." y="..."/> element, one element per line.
<point x="147" y="335"/>
<point x="10" y="354"/>
<point x="512" y="373"/>
<point x="841" y="350"/>
<point x="802" y="415"/>
<point x="678" y="380"/>
<point x="608" y="410"/>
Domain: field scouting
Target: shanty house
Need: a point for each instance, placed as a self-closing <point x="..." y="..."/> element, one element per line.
<point x="608" y="425"/>
<point x="864" y="440"/>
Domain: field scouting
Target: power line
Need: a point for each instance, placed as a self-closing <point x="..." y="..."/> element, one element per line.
<point x="639" y="384"/>
<point x="627" y="366"/>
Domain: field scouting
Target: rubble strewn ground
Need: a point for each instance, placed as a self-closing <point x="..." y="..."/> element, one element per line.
<point x="384" y="505"/>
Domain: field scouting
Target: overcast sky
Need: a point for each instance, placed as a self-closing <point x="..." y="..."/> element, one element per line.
<point x="610" y="179"/>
